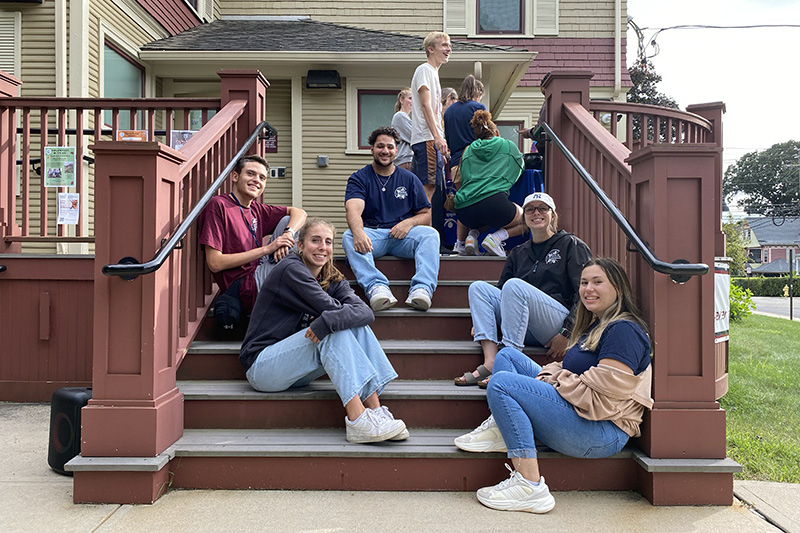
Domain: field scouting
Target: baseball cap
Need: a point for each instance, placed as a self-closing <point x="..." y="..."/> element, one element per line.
<point x="540" y="197"/>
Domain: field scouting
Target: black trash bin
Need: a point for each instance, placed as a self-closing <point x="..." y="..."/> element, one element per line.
<point x="65" y="425"/>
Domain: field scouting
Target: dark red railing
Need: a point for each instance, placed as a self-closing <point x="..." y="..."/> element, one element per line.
<point x="32" y="124"/>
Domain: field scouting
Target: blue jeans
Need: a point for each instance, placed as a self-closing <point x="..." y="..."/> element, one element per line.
<point x="526" y="315"/>
<point x="352" y="358"/>
<point x="523" y="407"/>
<point x="421" y="244"/>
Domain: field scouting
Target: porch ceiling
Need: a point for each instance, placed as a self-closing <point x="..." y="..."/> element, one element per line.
<point x="283" y="48"/>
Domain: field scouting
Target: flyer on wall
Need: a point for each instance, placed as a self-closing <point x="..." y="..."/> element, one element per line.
<point x="59" y="166"/>
<point x="69" y="207"/>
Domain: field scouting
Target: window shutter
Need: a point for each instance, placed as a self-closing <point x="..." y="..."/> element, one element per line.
<point x="208" y="10"/>
<point x="545" y="17"/>
<point x="455" y="17"/>
<point x="9" y="43"/>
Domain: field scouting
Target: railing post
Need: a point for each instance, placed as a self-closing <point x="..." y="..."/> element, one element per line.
<point x="560" y="87"/>
<point x="713" y="113"/>
<point x="249" y="85"/>
<point x="676" y="212"/>
<point x="136" y="409"/>
<point x="8" y="165"/>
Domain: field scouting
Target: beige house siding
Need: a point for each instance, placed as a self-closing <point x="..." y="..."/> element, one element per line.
<point x="323" y="124"/>
<point x="593" y="19"/>
<point x="38" y="49"/>
<point x="412" y="17"/>
<point x="279" y="115"/>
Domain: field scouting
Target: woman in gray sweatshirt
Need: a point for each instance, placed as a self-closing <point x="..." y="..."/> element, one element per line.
<point x="308" y="322"/>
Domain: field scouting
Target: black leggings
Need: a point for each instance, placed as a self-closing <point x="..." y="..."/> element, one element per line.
<point x="496" y="211"/>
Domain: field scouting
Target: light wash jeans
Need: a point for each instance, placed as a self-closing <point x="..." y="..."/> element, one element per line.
<point x="267" y="262"/>
<point x="523" y="407"/>
<point x="526" y="315"/>
<point x="352" y="358"/>
<point x="421" y="244"/>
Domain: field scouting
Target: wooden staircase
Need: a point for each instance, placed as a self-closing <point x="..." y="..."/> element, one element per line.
<point x="237" y="438"/>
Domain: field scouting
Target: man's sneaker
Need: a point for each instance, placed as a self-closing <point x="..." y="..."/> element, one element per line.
<point x="517" y="494"/>
<point x="493" y="246"/>
<point x="459" y="248"/>
<point x="484" y="438"/>
<point x="380" y="298"/>
<point x="419" y="299"/>
<point x="471" y="243"/>
<point x="384" y="412"/>
<point x="372" y="427"/>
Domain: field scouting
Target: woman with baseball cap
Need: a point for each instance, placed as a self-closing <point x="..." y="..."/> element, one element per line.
<point x="534" y="300"/>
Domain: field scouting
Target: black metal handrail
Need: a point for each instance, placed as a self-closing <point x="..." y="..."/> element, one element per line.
<point x="2" y="268"/>
<point x="129" y="269"/>
<point x="679" y="271"/>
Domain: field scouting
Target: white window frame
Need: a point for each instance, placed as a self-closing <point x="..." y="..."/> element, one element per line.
<point x="13" y="20"/>
<point x="107" y="33"/>
<point x="460" y="18"/>
<point x="353" y="85"/>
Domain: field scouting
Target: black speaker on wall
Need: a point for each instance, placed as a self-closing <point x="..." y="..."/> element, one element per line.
<point x="65" y="426"/>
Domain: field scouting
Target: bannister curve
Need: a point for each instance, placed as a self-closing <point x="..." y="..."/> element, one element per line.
<point x="130" y="271"/>
<point x="679" y="272"/>
<point x="647" y="109"/>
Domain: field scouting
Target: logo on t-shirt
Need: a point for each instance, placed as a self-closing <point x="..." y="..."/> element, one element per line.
<point x="553" y="257"/>
<point x="401" y="193"/>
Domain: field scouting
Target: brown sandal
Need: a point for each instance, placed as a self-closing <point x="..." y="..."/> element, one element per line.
<point x="468" y="379"/>
<point x="482" y="384"/>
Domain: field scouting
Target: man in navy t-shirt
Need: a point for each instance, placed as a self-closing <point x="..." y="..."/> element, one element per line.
<point x="389" y="214"/>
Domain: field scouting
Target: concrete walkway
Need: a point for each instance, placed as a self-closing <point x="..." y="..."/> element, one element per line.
<point x="36" y="499"/>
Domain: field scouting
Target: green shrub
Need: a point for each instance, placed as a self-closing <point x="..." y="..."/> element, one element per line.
<point x="767" y="286"/>
<point x="741" y="303"/>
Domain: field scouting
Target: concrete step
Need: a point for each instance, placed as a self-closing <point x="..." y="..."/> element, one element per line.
<point x="233" y="404"/>
<point x="412" y="359"/>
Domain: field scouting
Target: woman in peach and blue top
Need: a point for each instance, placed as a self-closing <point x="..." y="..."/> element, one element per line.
<point x="588" y="405"/>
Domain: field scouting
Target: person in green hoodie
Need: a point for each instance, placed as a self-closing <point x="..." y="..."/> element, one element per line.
<point x="490" y="166"/>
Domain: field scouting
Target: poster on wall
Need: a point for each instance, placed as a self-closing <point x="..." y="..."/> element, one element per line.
<point x="179" y="137"/>
<point x="132" y="135"/>
<point x="271" y="143"/>
<point x="59" y="166"/>
<point x="69" y="207"/>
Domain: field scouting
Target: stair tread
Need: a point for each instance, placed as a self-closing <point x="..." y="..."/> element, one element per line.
<point x="323" y="390"/>
<point x="388" y="345"/>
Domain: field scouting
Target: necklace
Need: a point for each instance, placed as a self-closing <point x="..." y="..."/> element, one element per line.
<point x="383" y="183"/>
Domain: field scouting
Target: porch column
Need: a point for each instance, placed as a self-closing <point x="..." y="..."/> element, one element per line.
<point x="251" y="86"/>
<point x="560" y="87"/>
<point x="8" y="166"/>
<point x="136" y="409"/>
<point x="675" y="196"/>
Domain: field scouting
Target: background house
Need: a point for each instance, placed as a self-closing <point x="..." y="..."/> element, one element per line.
<point x="173" y="48"/>
<point x="771" y="239"/>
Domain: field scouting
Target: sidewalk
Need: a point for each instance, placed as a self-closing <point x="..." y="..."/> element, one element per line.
<point x="36" y="499"/>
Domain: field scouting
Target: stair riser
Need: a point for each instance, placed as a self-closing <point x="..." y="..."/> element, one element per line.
<point x="450" y="296"/>
<point x="448" y="270"/>
<point x="424" y="326"/>
<point x="393" y="474"/>
<point x="407" y="366"/>
<point x="326" y="413"/>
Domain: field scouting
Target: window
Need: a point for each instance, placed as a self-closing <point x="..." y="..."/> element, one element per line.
<point x="375" y="109"/>
<point x="122" y="78"/>
<point x="508" y="130"/>
<point x="501" y="16"/>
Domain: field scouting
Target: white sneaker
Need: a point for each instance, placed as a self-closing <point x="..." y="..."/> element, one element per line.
<point x="460" y="248"/>
<point x="484" y="438"/>
<point x="493" y="246"/>
<point x="419" y="299"/>
<point x="471" y="244"/>
<point x="380" y="298"/>
<point x="517" y="494"/>
<point x="384" y="412"/>
<point x="372" y="427"/>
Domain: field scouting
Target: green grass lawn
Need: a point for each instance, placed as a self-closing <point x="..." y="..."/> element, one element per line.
<point x="763" y="400"/>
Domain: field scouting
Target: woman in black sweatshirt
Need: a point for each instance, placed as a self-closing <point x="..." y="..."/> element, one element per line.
<point x="308" y="322"/>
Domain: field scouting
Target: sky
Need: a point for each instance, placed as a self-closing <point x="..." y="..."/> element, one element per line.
<point x="755" y="72"/>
